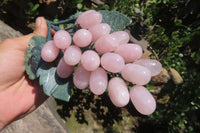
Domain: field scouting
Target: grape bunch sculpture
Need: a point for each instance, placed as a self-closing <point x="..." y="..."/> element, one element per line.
<point x="94" y="53"/>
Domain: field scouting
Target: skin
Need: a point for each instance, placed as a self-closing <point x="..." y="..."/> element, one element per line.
<point x="18" y="95"/>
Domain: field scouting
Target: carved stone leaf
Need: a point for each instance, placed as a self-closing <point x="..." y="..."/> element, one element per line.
<point x="46" y="72"/>
<point x="115" y="19"/>
<point x="52" y="84"/>
<point x="32" y="56"/>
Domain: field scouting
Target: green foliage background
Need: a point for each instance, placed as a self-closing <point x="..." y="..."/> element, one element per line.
<point x="172" y="28"/>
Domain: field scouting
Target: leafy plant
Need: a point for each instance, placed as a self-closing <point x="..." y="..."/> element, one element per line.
<point x="174" y="38"/>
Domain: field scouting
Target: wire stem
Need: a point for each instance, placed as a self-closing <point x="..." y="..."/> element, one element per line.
<point x="49" y="30"/>
<point x="64" y="21"/>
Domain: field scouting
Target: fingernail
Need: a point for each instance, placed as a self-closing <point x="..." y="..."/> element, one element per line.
<point x="37" y="22"/>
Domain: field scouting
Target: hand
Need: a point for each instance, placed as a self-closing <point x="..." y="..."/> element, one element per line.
<point x="18" y="97"/>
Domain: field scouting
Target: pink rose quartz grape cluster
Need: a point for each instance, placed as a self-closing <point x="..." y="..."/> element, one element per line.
<point x="111" y="53"/>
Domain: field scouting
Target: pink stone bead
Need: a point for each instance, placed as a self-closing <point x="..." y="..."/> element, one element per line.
<point x="153" y="65"/>
<point x="49" y="52"/>
<point x="81" y="77"/>
<point x="62" y="39"/>
<point x="142" y="100"/>
<point x="136" y="74"/>
<point x="82" y="38"/>
<point x="106" y="43"/>
<point x="64" y="70"/>
<point x="98" y="81"/>
<point x="99" y="30"/>
<point x="90" y="60"/>
<point x="112" y="62"/>
<point x="122" y="37"/>
<point x="130" y="52"/>
<point x="118" y="92"/>
<point x="89" y="18"/>
<point x="72" y="55"/>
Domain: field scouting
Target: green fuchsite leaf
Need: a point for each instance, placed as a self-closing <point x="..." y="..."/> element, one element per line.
<point x="36" y="67"/>
<point x="63" y="91"/>
<point x="52" y="84"/>
<point x="115" y="19"/>
<point x="32" y="55"/>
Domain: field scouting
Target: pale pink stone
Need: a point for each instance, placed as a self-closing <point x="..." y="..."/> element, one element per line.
<point x="106" y="43"/>
<point x="136" y="74"/>
<point x="81" y="77"/>
<point x="64" y="70"/>
<point x="122" y="37"/>
<point x="142" y="100"/>
<point x="112" y="62"/>
<point x="89" y="18"/>
<point x="90" y="60"/>
<point x="49" y="52"/>
<point x="82" y="38"/>
<point x="130" y="52"/>
<point x="62" y="39"/>
<point x="98" y="81"/>
<point x="72" y="55"/>
<point x="99" y="30"/>
<point x="118" y="92"/>
<point x="153" y="65"/>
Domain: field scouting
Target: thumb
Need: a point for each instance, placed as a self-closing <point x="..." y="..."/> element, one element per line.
<point x="40" y="29"/>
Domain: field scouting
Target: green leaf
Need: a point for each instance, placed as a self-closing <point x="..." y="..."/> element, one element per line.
<point x="52" y="84"/>
<point x="177" y="22"/>
<point x="115" y="19"/>
<point x="32" y="56"/>
<point x="63" y="92"/>
<point x="79" y="6"/>
<point x="36" y="67"/>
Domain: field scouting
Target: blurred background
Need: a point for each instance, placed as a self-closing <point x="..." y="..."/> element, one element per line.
<point x="171" y="29"/>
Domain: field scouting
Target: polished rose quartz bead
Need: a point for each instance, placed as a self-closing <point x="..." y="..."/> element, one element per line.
<point x="82" y="38"/>
<point x="72" y="55"/>
<point x="136" y="74"/>
<point x="142" y="100"/>
<point x="49" y="52"/>
<point x="98" y="81"/>
<point x="99" y="30"/>
<point x="90" y="60"/>
<point x="154" y="66"/>
<point x="130" y="52"/>
<point x="112" y="62"/>
<point x="64" y="70"/>
<point x="118" y="92"/>
<point x="81" y="77"/>
<point x="122" y="37"/>
<point x="89" y="18"/>
<point x="62" y="39"/>
<point x="106" y="43"/>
